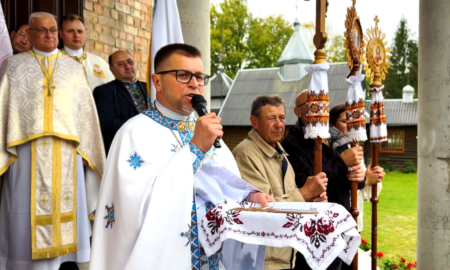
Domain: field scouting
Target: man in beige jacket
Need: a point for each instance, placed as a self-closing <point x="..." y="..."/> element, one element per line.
<point x="263" y="163"/>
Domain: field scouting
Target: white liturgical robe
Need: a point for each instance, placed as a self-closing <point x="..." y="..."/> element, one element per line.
<point x="146" y="198"/>
<point x="97" y="69"/>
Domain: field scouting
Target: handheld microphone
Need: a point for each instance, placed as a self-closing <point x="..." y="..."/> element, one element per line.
<point x="199" y="104"/>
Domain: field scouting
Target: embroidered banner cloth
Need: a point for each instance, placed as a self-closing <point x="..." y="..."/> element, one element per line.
<point x="318" y="102"/>
<point x="378" y="129"/>
<point x="355" y="111"/>
<point x="322" y="236"/>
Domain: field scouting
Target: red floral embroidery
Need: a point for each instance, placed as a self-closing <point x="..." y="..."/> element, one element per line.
<point x="310" y="227"/>
<point x="325" y="226"/>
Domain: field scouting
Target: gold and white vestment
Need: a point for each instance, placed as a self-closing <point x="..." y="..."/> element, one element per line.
<point x="46" y="101"/>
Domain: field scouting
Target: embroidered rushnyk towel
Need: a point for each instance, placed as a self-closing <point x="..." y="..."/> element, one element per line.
<point x="318" y="102"/>
<point x="355" y="110"/>
<point x="327" y="233"/>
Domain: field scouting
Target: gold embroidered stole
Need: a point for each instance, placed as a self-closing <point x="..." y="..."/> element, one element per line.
<point x="53" y="197"/>
<point x="78" y="59"/>
<point x="53" y="184"/>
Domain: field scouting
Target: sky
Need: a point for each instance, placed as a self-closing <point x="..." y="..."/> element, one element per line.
<point x="389" y="12"/>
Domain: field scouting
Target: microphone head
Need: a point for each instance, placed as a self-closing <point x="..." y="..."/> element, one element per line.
<point x="198" y="100"/>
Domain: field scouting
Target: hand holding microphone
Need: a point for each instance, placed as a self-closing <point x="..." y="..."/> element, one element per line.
<point x="208" y="129"/>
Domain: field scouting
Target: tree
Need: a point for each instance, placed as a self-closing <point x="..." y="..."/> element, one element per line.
<point x="267" y="39"/>
<point x="413" y="65"/>
<point x="404" y="63"/>
<point x="229" y="30"/>
<point x="237" y="38"/>
<point x="336" y="51"/>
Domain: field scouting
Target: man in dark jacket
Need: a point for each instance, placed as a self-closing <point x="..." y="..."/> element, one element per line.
<point x="340" y="167"/>
<point x="121" y="99"/>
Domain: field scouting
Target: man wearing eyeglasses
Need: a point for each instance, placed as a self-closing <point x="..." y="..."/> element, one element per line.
<point x="73" y="36"/>
<point x="48" y="128"/>
<point x="19" y="39"/>
<point x="121" y="99"/>
<point x="335" y="166"/>
<point x="164" y="174"/>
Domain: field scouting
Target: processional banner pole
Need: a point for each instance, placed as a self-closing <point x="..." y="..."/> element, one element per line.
<point x="354" y="104"/>
<point x="376" y="68"/>
<point x="318" y="97"/>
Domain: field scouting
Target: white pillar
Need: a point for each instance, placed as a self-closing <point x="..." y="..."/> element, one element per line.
<point x="196" y="27"/>
<point x="433" y="198"/>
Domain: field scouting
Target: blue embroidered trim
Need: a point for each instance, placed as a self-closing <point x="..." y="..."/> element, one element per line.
<point x="135" y="161"/>
<point x="109" y="216"/>
<point x="200" y="156"/>
<point x="195" y="247"/>
<point x="185" y="130"/>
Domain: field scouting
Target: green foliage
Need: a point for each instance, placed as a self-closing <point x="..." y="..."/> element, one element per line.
<point x="364" y="245"/>
<point x="336" y="51"/>
<point x="397" y="218"/>
<point x="229" y="29"/>
<point x="404" y="68"/>
<point x="388" y="167"/>
<point x="409" y="167"/>
<point x="236" y="38"/>
<point x="267" y="38"/>
<point x="401" y="264"/>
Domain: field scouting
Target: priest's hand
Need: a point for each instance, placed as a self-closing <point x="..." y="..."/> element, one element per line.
<point x="314" y="186"/>
<point x="261" y="198"/>
<point x="374" y="175"/>
<point x="356" y="173"/>
<point x="207" y="129"/>
<point x="322" y="198"/>
<point x="352" y="156"/>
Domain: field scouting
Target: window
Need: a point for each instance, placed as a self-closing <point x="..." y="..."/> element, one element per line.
<point x="395" y="142"/>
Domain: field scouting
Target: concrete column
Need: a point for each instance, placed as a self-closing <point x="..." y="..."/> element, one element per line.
<point x="195" y="24"/>
<point x="433" y="215"/>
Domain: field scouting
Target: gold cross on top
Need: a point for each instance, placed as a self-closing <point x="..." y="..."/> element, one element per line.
<point x="354" y="2"/>
<point x="376" y="21"/>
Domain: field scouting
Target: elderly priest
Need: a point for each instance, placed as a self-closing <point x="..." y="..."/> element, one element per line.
<point x="48" y="129"/>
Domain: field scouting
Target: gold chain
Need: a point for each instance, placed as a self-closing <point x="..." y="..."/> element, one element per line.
<point x="51" y="76"/>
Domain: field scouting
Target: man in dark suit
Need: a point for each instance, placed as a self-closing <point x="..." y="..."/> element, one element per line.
<point x="121" y="99"/>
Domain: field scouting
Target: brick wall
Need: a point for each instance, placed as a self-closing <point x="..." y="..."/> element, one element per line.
<point x="119" y="24"/>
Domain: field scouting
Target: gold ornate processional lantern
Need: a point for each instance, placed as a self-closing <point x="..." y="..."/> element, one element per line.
<point x="377" y="55"/>
<point x="376" y="67"/>
<point x="354" y="42"/>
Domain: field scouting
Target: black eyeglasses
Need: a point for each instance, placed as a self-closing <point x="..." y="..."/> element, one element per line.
<point x="301" y="105"/>
<point x="44" y="31"/>
<point x="185" y="76"/>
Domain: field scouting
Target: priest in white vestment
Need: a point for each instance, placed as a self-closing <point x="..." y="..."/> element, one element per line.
<point x="48" y="128"/>
<point x="73" y="36"/>
<point x="162" y="176"/>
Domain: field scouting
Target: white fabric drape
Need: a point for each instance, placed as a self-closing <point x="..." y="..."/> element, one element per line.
<point x="355" y="110"/>
<point x="166" y="30"/>
<point x="378" y="128"/>
<point x="318" y="102"/>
